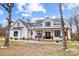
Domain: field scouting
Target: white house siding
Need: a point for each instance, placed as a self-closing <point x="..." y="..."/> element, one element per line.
<point x="21" y="33"/>
<point x="24" y="33"/>
<point x="34" y="34"/>
<point x="12" y="34"/>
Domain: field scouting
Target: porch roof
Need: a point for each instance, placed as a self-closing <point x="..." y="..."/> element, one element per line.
<point x="51" y="27"/>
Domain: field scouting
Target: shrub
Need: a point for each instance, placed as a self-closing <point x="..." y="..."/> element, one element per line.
<point x="15" y="38"/>
<point x="23" y="38"/>
<point x="57" y="41"/>
<point x="11" y="37"/>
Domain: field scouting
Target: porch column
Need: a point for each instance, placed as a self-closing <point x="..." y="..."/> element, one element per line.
<point x="51" y="34"/>
<point x="61" y="33"/>
<point x="43" y="34"/>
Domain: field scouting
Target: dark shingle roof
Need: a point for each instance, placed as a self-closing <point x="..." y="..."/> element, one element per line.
<point x="27" y="24"/>
<point x="38" y="22"/>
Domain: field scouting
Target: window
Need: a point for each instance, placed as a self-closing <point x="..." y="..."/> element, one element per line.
<point x="18" y="24"/>
<point x="15" y="33"/>
<point x="39" y="33"/>
<point x="57" y="33"/>
<point x="47" y="23"/>
<point x="57" y="24"/>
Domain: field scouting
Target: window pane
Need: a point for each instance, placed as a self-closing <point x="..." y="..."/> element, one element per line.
<point x="15" y="33"/>
<point x="57" y="33"/>
<point x="47" y="23"/>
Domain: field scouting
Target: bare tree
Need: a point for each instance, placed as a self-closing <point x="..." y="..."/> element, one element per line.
<point x="76" y="21"/>
<point x="75" y="17"/>
<point x="62" y="26"/>
<point x="8" y="7"/>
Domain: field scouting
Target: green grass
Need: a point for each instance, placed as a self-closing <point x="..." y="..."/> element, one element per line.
<point x="1" y="43"/>
<point x="10" y="42"/>
<point x="73" y="47"/>
<point x="72" y="42"/>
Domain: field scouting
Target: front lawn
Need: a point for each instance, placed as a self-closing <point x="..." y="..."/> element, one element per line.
<point x="73" y="44"/>
<point x="18" y="48"/>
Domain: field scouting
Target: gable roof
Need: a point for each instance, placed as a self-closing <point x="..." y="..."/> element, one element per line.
<point x="47" y="18"/>
<point x="38" y="22"/>
<point x="25" y="23"/>
<point x="54" y="20"/>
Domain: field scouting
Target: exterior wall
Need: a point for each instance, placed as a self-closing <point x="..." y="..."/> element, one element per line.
<point x="24" y="33"/>
<point x="21" y="33"/>
<point x="12" y="34"/>
<point x="34" y="34"/>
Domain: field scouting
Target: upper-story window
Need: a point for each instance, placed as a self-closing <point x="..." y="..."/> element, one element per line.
<point x="57" y="23"/>
<point x="18" y="24"/>
<point x="47" y="23"/>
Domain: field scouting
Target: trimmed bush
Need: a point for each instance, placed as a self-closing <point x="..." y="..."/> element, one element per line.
<point x="11" y="37"/>
<point x="57" y="41"/>
<point x="15" y="38"/>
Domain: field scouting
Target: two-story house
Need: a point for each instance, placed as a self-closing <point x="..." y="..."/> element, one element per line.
<point x="47" y="28"/>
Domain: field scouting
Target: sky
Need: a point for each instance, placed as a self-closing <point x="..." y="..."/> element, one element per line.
<point x="36" y="11"/>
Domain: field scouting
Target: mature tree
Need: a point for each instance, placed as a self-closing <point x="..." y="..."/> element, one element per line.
<point x="76" y="21"/>
<point x="62" y="26"/>
<point x="8" y="7"/>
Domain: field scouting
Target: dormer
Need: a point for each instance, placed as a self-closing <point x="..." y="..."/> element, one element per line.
<point x="47" y="22"/>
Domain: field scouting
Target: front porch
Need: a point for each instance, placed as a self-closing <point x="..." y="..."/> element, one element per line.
<point x="46" y="34"/>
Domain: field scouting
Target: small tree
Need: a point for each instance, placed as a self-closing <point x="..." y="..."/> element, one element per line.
<point x="8" y="7"/>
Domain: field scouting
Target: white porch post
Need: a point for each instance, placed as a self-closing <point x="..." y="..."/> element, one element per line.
<point x="43" y="34"/>
<point x="61" y="32"/>
<point x="53" y="34"/>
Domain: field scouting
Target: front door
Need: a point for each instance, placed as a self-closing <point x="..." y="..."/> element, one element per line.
<point x="47" y="35"/>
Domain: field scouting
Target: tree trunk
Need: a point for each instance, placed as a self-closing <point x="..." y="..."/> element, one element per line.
<point x="62" y="27"/>
<point x="71" y="34"/>
<point x="77" y="35"/>
<point x="6" y="43"/>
